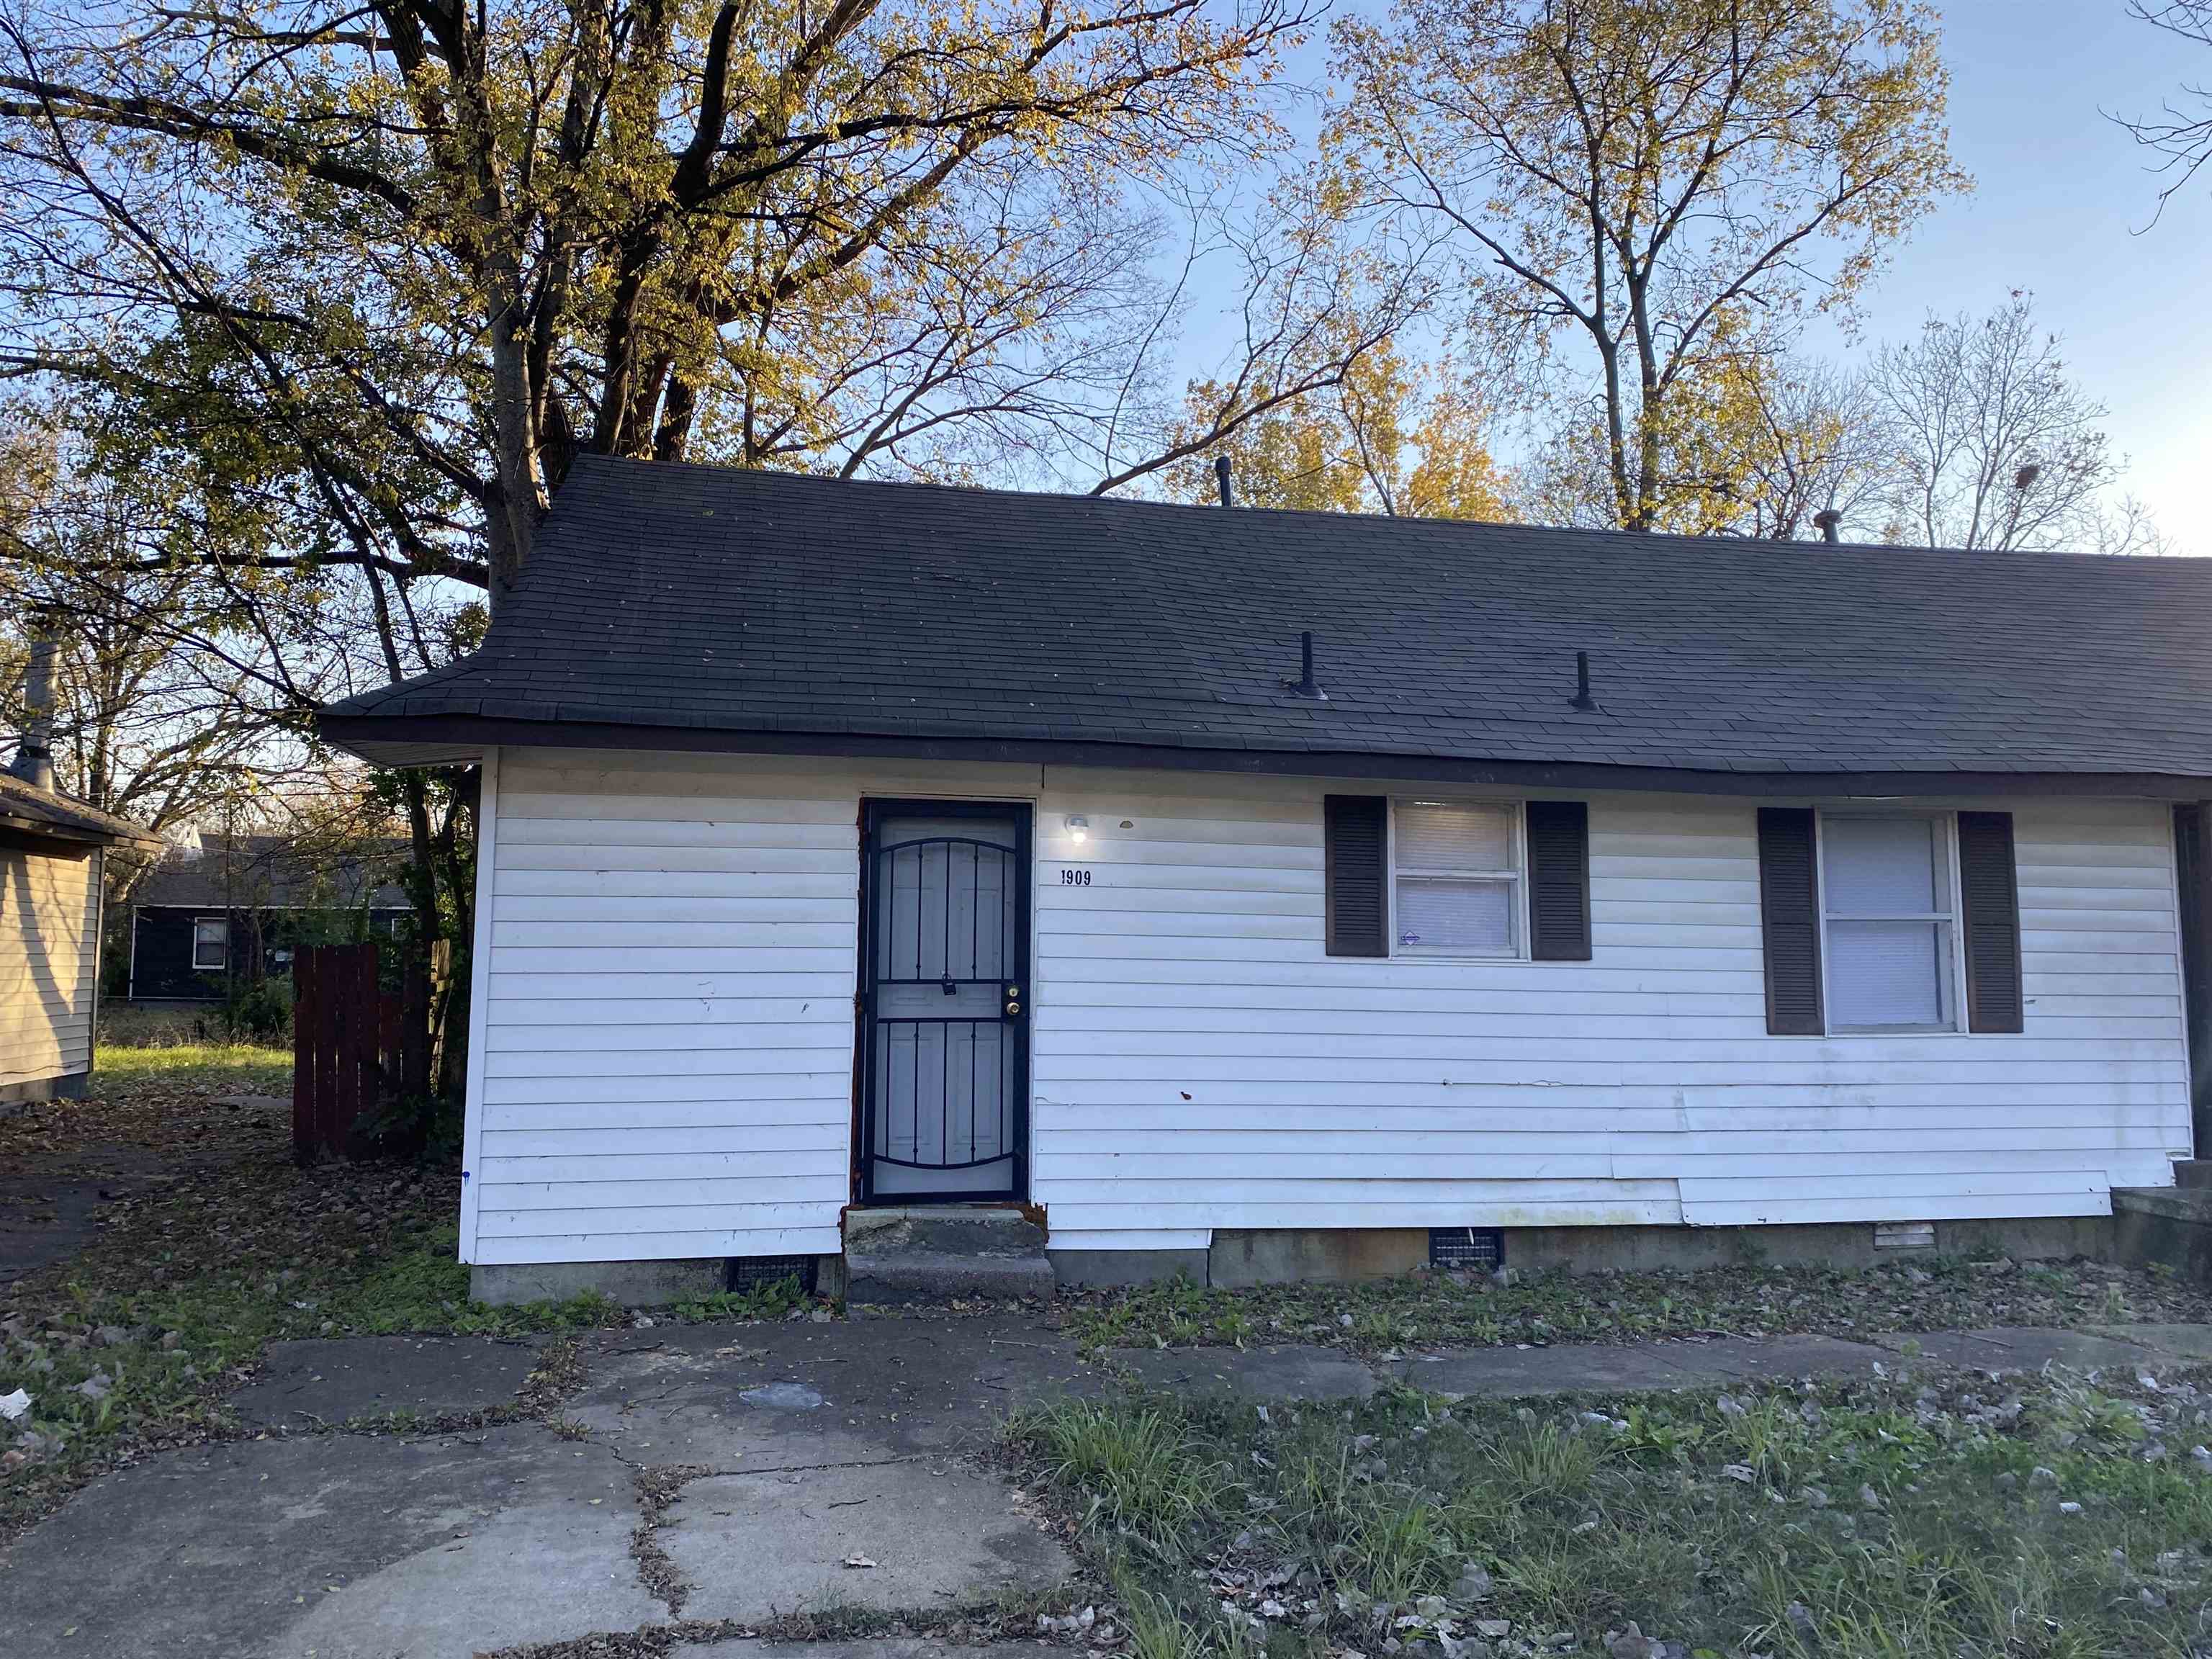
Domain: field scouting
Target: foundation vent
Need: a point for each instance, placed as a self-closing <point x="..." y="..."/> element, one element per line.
<point x="1465" y="1249"/>
<point x="750" y="1272"/>
<point x="1905" y="1236"/>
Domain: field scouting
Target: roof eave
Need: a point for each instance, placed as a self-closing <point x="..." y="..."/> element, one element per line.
<point x="449" y="740"/>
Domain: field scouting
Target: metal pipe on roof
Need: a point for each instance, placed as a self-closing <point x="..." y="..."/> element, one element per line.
<point x="1305" y="685"/>
<point x="1827" y="518"/>
<point x="34" y="759"/>
<point x="1221" y="478"/>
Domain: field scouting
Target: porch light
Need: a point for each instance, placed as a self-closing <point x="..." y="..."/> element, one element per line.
<point x="1079" y="830"/>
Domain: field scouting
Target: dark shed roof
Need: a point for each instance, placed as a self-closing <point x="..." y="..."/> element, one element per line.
<point x="50" y="815"/>
<point x="692" y="606"/>
<point x="274" y="871"/>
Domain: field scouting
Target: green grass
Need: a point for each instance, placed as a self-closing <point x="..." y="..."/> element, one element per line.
<point x="2047" y="1518"/>
<point x="231" y="1068"/>
<point x="1434" y="1309"/>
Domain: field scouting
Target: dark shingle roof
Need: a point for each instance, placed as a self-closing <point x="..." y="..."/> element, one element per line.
<point x="33" y="810"/>
<point x="253" y="871"/>
<point x="702" y="600"/>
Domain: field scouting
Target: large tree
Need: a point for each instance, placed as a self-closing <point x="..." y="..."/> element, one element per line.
<point x="1387" y="437"/>
<point x="1650" y="194"/>
<point x="384" y="267"/>
<point x="1988" y="440"/>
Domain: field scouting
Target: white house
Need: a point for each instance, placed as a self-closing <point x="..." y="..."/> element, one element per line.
<point x="858" y="844"/>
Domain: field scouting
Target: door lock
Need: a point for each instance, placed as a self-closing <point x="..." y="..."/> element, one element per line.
<point x="1012" y="1009"/>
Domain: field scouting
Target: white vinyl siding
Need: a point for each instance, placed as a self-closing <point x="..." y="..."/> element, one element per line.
<point x="667" y="1062"/>
<point x="1201" y="1063"/>
<point x="48" y="962"/>
<point x="666" y="1052"/>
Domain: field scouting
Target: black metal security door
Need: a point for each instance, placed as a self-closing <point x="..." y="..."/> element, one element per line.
<point x="944" y="1001"/>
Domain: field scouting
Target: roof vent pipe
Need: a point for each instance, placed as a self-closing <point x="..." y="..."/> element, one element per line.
<point x="1304" y="685"/>
<point x="1581" y="699"/>
<point x="1221" y="478"/>
<point x="35" y="760"/>
<point x="1827" y="518"/>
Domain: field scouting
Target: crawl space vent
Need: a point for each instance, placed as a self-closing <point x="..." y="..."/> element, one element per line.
<point x="1465" y="1249"/>
<point x="751" y="1271"/>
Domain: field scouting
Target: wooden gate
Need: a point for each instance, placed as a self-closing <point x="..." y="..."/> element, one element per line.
<point x="358" y="1049"/>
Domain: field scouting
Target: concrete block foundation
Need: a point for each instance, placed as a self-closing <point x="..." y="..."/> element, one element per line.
<point x="1114" y="1269"/>
<point x="2169" y="1225"/>
<point x="1838" y="1244"/>
<point x="1239" y="1258"/>
<point x="15" y="1097"/>
<point x="899" y="1255"/>
<point x="632" y="1283"/>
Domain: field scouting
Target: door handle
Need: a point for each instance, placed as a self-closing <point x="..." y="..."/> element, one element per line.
<point x="1013" y="1010"/>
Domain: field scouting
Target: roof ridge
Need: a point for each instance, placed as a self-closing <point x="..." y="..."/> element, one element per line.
<point x="1624" y="538"/>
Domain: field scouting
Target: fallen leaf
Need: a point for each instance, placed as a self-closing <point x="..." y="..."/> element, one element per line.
<point x="858" y="1561"/>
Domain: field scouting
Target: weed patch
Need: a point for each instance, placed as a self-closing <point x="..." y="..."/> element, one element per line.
<point x="1439" y="1310"/>
<point x="2053" y="1517"/>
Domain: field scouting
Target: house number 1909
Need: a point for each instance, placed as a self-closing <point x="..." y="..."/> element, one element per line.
<point x="1074" y="878"/>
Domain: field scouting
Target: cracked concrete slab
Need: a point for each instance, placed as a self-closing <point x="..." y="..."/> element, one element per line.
<point x="1272" y="1373"/>
<point x="758" y="1396"/>
<point x="2023" y="1348"/>
<point x="345" y="1546"/>
<point x="308" y="1384"/>
<point x="935" y="1534"/>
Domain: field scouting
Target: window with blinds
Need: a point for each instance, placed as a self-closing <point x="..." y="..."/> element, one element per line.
<point x="1457" y="878"/>
<point x="1889" y="918"/>
<point x="210" y="943"/>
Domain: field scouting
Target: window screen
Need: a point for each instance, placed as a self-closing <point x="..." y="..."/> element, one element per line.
<point x="1458" y="883"/>
<point x="211" y="942"/>
<point x="1886" y="896"/>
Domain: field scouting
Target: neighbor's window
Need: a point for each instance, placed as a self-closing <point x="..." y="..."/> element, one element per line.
<point x="1457" y="878"/>
<point x="1889" y="915"/>
<point x="211" y="943"/>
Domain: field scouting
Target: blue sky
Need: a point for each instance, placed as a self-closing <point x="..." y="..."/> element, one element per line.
<point x="2061" y="195"/>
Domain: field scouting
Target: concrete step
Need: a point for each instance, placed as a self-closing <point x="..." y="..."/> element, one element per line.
<point x="2193" y="1172"/>
<point x="924" y="1253"/>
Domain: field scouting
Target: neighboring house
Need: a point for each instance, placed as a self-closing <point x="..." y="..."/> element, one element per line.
<point x="869" y="843"/>
<point x="52" y="848"/>
<point x="233" y="910"/>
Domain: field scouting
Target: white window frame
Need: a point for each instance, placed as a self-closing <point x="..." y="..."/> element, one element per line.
<point x="1516" y="879"/>
<point x="200" y="967"/>
<point x="1952" y="986"/>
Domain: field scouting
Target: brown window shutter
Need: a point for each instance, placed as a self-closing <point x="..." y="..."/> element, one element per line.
<point x="1356" y="834"/>
<point x="1559" y="881"/>
<point x="1790" y="919"/>
<point x="1989" y="893"/>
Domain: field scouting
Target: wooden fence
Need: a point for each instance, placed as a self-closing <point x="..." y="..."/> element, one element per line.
<point x="357" y="1049"/>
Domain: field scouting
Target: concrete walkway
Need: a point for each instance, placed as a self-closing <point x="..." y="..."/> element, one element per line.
<point x="710" y="1481"/>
